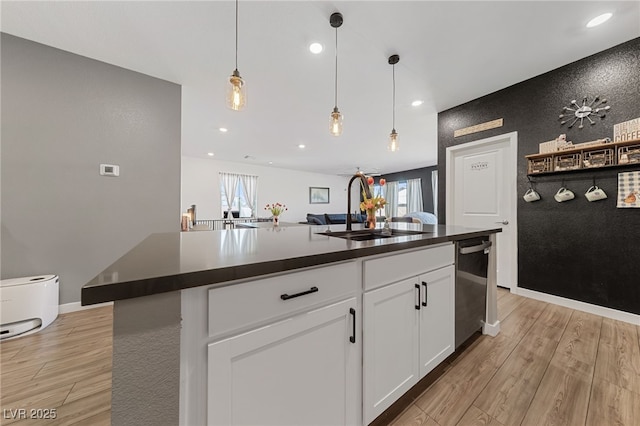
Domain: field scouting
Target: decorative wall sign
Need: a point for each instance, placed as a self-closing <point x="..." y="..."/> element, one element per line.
<point x="480" y="165"/>
<point x="478" y="128"/>
<point x="577" y="112"/>
<point x="629" y="189"/>
<point x="627" y="131"/>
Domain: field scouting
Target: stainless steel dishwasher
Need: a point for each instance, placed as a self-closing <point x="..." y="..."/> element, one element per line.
<point x="472" y="258"/>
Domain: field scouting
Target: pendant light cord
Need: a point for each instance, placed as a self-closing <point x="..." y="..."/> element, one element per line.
<point x="236" y="35"/>
<point x="336" y="79"/>
<point x="394" y="96"/>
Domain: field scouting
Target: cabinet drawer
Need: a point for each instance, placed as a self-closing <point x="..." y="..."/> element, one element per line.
<point x="389" y="269"/>
<point x="239" y="306"/>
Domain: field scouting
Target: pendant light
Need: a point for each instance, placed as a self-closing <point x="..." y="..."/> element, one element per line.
<point x="393" y="137"/>
<point x="335" y="124"/>
<point x="236" y="92"/>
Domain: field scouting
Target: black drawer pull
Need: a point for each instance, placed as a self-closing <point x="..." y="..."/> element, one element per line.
<point x="418" y="304"/>
<point x="425" y="294"/>
<point x="302" y="293"/>
<point x="352" y="338"/>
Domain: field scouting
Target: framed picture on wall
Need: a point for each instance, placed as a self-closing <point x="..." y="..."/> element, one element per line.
<point x="318" y="195"/>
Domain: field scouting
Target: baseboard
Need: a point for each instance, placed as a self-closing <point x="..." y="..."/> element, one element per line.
<point x="580" y="306"/>
<point x="491" y="329"/>
<point x="76" y="306"/>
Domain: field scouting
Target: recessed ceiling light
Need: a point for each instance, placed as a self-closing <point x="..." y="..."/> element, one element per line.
<point x="223" y="129"/>
<point x="315" y="48"/>
<point x="301" y="146"/>
<point x="270" y="162"/>
<point x="599" y="20"/>
<point x="210" y="154"/>
<point x="417" y="102"/>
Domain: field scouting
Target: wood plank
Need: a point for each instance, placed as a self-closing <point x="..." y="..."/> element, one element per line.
<point x="89" y="386"/>
<point x="42" y="383"/>
<point x="84" y="408"/>
<point x="81" y="412"/>
<point x="508" y="394"/>
<point x="450" y="397"/>
<point x="8" y="354"/>
<point x="101" y="419"/>
<point x="522" y="318"/>
<point x="561" y="399"/>
<point x="618" y="359"/>
<point x="42" y="369"/>
<point x="553" y="316"/>
<point x="20" y="375"/>
<point x="501" y="292"/>
<point x="47" y="399"/>
<point x="413" y="416"/>
<point x="578" y="346"/>
<point x="612" y="405"/>
<point x="476" y="417"/>
<point x="507" y="303"/>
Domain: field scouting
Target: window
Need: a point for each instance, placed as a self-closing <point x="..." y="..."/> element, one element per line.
<point x="238" y="194"/>
<point x="238" y="204"/>
<point x="402" y="198"/>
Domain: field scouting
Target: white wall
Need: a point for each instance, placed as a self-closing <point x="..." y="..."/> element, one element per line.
<point x="201" y="186"/>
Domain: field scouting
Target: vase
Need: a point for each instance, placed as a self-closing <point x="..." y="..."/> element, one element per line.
<point x="276" y="221"/>
<point x="371" y="219"/>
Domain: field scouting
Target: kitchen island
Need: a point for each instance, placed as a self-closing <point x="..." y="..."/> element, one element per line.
<point x="277" y="324"/>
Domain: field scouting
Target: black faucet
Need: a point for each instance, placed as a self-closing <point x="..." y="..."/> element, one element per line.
<point x="367" y="192"/>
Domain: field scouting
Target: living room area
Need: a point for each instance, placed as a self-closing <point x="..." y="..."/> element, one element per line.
<point x="313" y="198"/>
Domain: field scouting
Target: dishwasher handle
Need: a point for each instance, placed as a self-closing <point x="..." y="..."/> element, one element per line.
<point x="474" y="249"/>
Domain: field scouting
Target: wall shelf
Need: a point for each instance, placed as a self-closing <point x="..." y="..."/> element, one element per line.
<point x="601" y="156"/>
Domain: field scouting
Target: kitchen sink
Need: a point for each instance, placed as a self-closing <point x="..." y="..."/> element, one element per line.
<point x="371" y="234"/>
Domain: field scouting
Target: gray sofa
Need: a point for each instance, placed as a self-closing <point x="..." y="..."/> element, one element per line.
<point x="332" y="218"/>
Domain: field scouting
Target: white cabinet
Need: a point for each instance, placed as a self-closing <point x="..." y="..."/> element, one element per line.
<point x="299" y="371"/>
<point x="408" y="329"/>
<point x="391" y="345"/>
<point x="437" y="318"/>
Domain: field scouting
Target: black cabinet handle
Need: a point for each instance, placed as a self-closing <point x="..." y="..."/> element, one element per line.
<point x="302" y="293"/>
<point x="352" y="339"/>
<point x="418" y="304"/>
<point x="425" y="293"/>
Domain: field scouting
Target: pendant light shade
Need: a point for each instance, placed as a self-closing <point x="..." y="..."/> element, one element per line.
<point x="335" y="122"/>
<point x="393" y="141"/>
<point x="393" y="136"/>
<point x="236" y="91"/>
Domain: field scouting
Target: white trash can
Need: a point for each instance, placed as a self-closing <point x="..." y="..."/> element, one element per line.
<point x="29" y="304"/>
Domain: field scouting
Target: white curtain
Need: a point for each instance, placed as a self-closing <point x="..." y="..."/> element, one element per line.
<point x="434" y="189"/>
<point x="229" y="187"/>
<point x="250" y="187"/>
<point x="414" y="195"/>
<point x="391" y="195"/>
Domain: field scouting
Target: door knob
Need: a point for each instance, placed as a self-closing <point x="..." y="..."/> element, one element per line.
<point x="504" y="222"/>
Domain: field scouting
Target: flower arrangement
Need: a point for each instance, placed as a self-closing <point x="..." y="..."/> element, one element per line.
<point x="373" y="203"/>
<point x="276" y="209"/>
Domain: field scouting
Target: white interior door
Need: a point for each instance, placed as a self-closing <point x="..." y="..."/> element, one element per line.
<point x="481" y="193"/>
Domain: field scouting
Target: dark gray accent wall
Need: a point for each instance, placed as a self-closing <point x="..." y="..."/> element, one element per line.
<point x="578" y="250"/>
<point x="423" y="173"/>
<point x="62" y="116"/>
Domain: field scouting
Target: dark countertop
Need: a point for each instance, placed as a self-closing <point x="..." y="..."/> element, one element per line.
<point x="174" y="261"/>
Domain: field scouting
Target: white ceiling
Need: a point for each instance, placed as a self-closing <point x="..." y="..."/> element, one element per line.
<point x="450" y="53"/>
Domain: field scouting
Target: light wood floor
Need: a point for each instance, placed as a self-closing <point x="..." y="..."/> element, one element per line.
<point x="549" y="366"/>
<point x="66" y="367"/>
